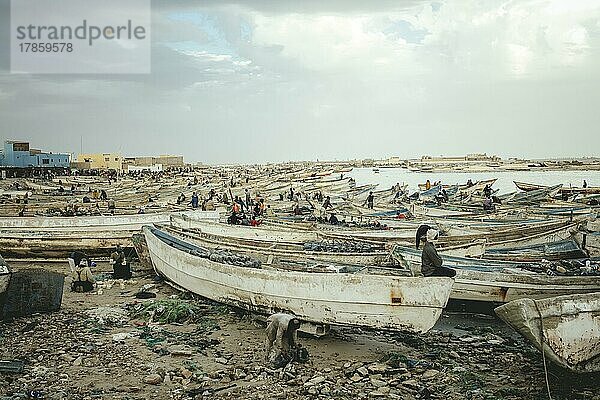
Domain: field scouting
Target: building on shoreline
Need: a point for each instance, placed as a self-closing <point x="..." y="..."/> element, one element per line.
<point x="150" y="163"/>
<point x="106" y="161"/>
<point x="19" y="154"/>
<point x="469" y="158"/>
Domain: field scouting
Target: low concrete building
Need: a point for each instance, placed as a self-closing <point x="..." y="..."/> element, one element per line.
<point x="112" y="161"/>
<point x="19" y="154"/>
<point x="166" y="161"/>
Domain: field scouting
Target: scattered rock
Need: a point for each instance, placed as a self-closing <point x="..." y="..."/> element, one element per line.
<point x="153" y="379"/>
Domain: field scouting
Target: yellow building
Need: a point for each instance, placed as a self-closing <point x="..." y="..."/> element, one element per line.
<point x="102" y="160"/>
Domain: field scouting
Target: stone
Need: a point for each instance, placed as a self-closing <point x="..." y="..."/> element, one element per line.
<point x="411" y="383"/>
<point x="221" y="360"/>
<point x="180" y="351"/>
<point x="121" y="337"/>
<point x="378" y="383"/>
<point x="429" y="374"/>
<point x="67" y="358"/>
<point x="363" y="371"/>
<point x="377" y="368"/>
<point x="186" y="373"/>
<point x="153" y="379"/>
<point x="316" y="380"/>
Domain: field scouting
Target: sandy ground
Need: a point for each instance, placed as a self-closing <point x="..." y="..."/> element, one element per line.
<point x="93" y="349"/>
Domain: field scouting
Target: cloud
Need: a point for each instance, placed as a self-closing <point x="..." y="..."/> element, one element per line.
<point x="281" y="80"/>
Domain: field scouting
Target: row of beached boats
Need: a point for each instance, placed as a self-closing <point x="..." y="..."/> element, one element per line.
<point x="321" y="291"/>
<point x="354" y="273"/>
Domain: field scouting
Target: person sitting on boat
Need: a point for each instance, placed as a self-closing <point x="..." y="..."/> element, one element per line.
<point x="584" y="184"/>
<point x="327" y="203"/>
<point x="469" y="183"/>
<point x="282" y="338"/>
<point x="83" y="280"/>
<point x="431" y="262"/>
<point x="420" y="236"/>
<point x="427" y="185"/>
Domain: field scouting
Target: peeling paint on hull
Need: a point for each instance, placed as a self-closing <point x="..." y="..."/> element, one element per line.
<point x="571" y="328"/>
<point x="376" y="301"/>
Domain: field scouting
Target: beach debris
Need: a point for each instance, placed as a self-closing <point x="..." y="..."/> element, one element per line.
<point x="109" y="316"/>
<point x="339" y="246"/>
<point x="168" y="311"/>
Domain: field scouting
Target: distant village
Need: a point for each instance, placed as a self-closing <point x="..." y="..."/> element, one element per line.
<point x="19" y="155"/>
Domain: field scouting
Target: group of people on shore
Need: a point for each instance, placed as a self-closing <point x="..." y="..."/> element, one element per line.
<point x="81" y="265"/>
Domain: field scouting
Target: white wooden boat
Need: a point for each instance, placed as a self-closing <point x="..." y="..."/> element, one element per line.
<point x="284" y="250"/>
<point x="528" y="187"/>
<point x="565" y="328"/>
<point x="501" y="281"/>
<point x="132" y="222"/>
<point x="362" y="298"/>
<point x="59" y="244"/>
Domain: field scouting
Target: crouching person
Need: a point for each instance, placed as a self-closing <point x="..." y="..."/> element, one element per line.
<point x="83" y="279"/>
<point x="281" y="343"/>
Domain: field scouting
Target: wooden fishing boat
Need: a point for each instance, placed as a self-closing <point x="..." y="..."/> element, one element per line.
<point x="132" y="222"/>
<point x="289" y="238"/>
<point x="559" y="250"/>
<point x="283" y="250"/>
<point x="477" y="186"/>
<point x="500" y="281"/>
<point x="535" y="196"/>
<point x="362" y="297"/>
<point x="527" y="187"/>
<point x="59" y="244"/>
<point x="565" y="328"/>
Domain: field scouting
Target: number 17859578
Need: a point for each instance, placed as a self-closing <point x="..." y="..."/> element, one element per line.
<point x="41" y="47"/>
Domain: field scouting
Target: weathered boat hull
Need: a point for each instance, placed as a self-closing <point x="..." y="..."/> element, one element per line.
<point x="108" y="223"/>
<point x="501" y="287"/>
<point x="377" y="301"/>
<point x="565" y="328"/>
<point x="285" y="251"/>
<point x="527" y="187"/>
<point x="501" y="282"/>
<point x="60" y="244"/>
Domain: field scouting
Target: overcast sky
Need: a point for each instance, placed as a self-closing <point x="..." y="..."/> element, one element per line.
<point x="260" y="81"/>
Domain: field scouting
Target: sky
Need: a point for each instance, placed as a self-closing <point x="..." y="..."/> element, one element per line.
<point x="271" y="81"/>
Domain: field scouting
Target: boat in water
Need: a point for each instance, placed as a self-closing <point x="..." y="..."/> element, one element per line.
<point x="343" y="295"/>
<point x="565" y="328"/>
